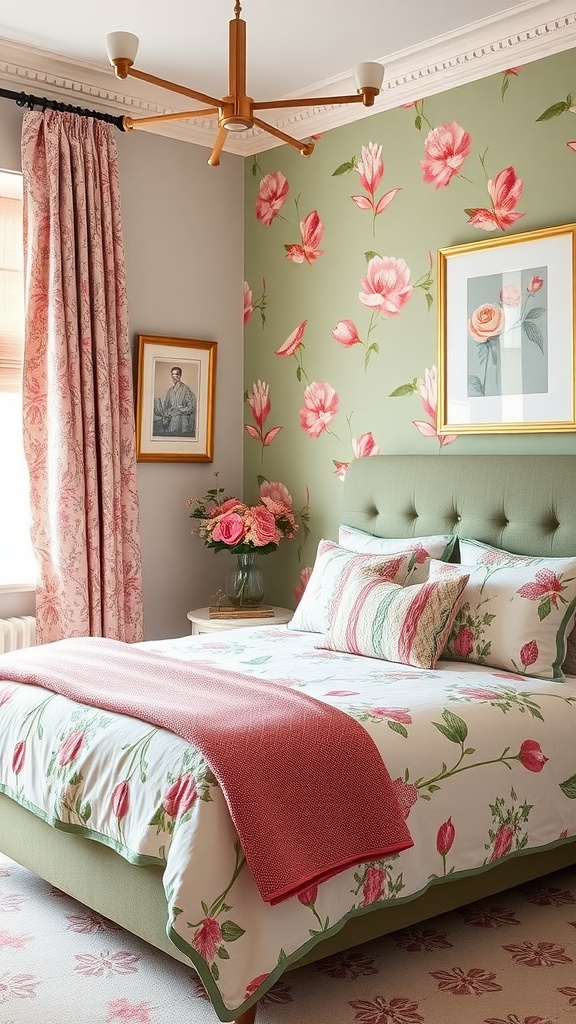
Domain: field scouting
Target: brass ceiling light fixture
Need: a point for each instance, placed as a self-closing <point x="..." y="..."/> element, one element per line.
<point x="236" y="111"/>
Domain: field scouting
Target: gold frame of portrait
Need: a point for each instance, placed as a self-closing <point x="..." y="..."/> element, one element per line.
<point x="459" y="411"/>
<point x="157" y="356"/>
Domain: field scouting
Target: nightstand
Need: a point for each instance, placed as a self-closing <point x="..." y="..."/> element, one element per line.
<point x="200" y="622"/>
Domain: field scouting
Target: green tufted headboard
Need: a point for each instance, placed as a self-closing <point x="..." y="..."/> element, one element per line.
<point x="522" y="503"/>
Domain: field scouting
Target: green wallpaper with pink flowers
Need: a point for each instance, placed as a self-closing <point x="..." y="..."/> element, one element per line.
<point x="340" y="293"/>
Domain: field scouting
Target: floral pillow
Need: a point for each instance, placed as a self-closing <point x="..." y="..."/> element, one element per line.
<point x="513" y="617"/>
<point x="383" y="620"/>
<point x="440" y="546"/>
<point x="474" y="552"/>
<point x="332" y="567"/>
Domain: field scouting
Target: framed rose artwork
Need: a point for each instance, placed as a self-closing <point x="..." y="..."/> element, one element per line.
<point x="506" y="360"/>
<point x="175" y="399"/>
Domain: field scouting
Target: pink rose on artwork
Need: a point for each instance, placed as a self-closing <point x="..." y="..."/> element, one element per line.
<point x="304" y="579"/>
<point x="531" y="756"/>
<point x="386" y="286"/>
<point x="487" y="321"/>
<point x="272" y="194"/>
<point x="248" y="306"/>
<point x="503" y="842"/>
<point x="207" y="938"/>
<point x="364" y="446"/>
<point x="511" y="295"/>
<point x="346" y="333"/>
<point x="446" y="149"/>
<point x="319" y="409"/>
<point x="121" y="800"/>
<point x="311" y="232"/>
<point x="373" y="887"/>
<point x="293" y="341"/>
<point x="70" y="748"/>
<point x="230" y="529"/>
<point x="535" y="284"/>
<point x="18" y="757"/>
<point x="181" y="796"/>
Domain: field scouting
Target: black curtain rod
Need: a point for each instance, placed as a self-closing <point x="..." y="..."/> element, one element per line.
<point x="23" y="99"/>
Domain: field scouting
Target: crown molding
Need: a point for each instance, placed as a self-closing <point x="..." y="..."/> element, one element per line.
<point x="533" y="30"/>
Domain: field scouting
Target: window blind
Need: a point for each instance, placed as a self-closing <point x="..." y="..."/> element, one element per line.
<point x="11" y="294"/>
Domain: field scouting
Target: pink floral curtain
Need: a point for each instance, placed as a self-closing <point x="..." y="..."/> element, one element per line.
<point x="77" y="390"/>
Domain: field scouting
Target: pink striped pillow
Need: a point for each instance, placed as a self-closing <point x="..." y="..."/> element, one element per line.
<point x="409" y="625"/>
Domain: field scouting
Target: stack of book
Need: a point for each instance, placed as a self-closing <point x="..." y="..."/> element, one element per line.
<point x="228" y="611"/>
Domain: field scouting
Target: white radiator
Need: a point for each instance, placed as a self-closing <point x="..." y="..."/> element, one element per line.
<point x="16" y="632"/>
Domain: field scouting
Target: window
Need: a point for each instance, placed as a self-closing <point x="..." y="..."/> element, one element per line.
<point x="17" y="562"/>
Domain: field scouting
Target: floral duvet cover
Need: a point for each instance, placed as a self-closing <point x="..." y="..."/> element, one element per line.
<point x="483" y="763"/>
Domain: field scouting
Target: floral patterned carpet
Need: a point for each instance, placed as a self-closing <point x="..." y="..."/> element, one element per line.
<point x="510" y="959"/>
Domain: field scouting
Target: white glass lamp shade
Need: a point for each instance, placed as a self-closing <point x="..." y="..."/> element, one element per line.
<point x="122" y="45"/>
<point x="369" y="75"/>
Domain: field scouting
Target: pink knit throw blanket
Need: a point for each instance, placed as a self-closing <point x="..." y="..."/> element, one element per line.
<point x="306" y="787"/>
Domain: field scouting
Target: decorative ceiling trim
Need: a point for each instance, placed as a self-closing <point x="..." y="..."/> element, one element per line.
<point x="537" y="29"/>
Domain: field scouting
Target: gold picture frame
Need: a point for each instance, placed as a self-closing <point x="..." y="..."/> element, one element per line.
<point x="175" y="399"/>
<point x="506" y="358"/>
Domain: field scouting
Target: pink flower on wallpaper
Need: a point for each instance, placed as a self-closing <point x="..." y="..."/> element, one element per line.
<point x="304" y="580"/>
<point x="446" y="149"/>
<point x="386" y="286"/>
<point x="364" y="446"/>
<point x="505" y="191"/>
<point x="293" y="341"/>
<point x="259" y="402"/>
<point x="138" y="1013"/>
<point x="572" y="145"/>
<point x="248" y="306"/>
<point x="272" y="194"/>
<point x="275" y="495"/>
<point x="346" y="333"/>
<point x="319" y="409"/>
<point x="311" y="231"/>
<point x="340" y="469"/>
<point x="513" y="71"/>
<point x="428" y="390"/>
<point x="371" y="169"/>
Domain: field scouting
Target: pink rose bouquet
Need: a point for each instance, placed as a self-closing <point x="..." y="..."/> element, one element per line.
<point x="228" y="524"/>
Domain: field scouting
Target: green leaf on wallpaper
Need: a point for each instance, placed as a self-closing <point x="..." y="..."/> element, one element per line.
<point x="370" y="255"/>
<point x="418" y="122"/>
<point x="429" y="300"/>
<point x="345" y="168"/>
<point x="298" y="373"/>
<point x="505" y="84"/>
<point x="405" y="389"/>
<point x="372" y="349"/>
<point x="556" y="109"/>
<point x="261" y="479"/>
<point x="534" y="334"/>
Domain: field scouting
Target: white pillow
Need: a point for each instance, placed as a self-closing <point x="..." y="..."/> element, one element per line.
<point x="440" y="546"/>
<point x="513" y="617"/>
<point x="331" y="567"/>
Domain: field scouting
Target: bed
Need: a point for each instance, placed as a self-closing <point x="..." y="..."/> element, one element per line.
<point x="523" y="775"/>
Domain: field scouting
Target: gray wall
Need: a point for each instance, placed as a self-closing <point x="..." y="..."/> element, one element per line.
<point x="183" y="237"/>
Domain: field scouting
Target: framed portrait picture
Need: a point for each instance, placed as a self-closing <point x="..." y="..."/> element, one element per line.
<point x="506" y="361"/>
<point x="175" y="399"/>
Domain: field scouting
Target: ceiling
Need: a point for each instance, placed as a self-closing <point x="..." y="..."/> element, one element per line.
<point x="305" y="47"/>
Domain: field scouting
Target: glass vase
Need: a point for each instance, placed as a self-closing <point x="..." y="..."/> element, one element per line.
<point x="245" y="582"/>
